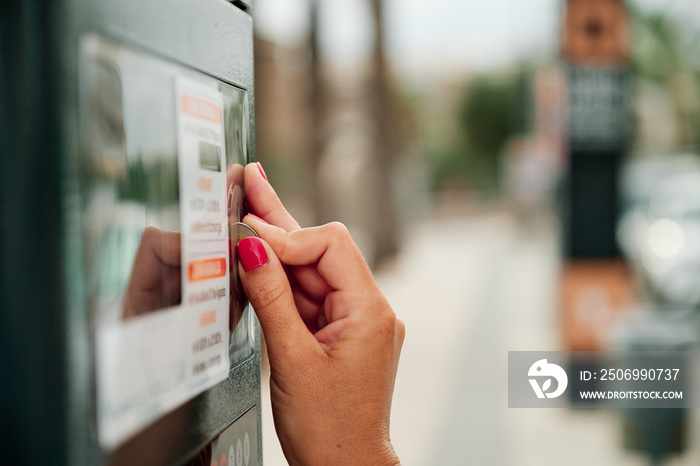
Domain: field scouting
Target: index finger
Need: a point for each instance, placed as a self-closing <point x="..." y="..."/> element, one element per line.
<point x="162" y="244"/>
<point x="263" y="200"/>
<point x="339" y="261"/>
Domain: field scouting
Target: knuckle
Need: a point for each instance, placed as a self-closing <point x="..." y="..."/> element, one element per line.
<point x="400" y="331"/>
<point x="289" y="244"/>
<point x="268" y="294"/>
<point x="388" y="321"/>
<point x="400" y="334"/>
<point x="281" y="247"/>
<point x="150" y="232"/>
<point x="338" y="229"/>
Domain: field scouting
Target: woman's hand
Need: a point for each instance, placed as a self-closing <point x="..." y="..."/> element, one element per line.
<point x="156" y="280"/>
<point x="332" y="338"/>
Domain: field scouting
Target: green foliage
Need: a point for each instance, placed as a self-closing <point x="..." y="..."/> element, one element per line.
<point x="156" y="184"/>
<point x="491" y="110"/>
<point x="665" y="53"/>
<point x="656" y="52"/>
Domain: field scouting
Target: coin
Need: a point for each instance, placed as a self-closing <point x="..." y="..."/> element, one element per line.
<point x="244" y="231"/>
<point x="237" y="231"/>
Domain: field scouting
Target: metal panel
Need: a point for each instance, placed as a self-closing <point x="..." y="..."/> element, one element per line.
<point x="47" y="400"/>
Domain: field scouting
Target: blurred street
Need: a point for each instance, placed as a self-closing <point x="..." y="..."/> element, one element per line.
<point x="520" y="177"/>
<point x="470" y="288"/>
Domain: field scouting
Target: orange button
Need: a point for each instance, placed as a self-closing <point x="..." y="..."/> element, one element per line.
<point x="201" y="108"/>
<point x="207" y="318"/>
<point x="206" y="269"/>
<point x="204" y="184"/>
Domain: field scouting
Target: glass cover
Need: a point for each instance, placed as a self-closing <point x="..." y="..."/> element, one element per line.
<point x="162" y="178"/>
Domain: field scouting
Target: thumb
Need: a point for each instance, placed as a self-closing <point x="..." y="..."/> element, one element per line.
<point x="267" y="287"/>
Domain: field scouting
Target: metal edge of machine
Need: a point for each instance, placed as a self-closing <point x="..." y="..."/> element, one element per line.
<point x="48" y="397"/>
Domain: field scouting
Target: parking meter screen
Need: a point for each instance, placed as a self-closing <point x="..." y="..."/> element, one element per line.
<point x="163" y="154"/>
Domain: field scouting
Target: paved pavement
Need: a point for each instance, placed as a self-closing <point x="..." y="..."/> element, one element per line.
<point x="469" y="290"/>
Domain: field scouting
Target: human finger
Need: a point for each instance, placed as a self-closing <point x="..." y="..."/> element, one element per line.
<point x="164" y="244"/>
<point x="337" y="258"/>
<point x="267" y="287"/>
<point x="308" y="279"/>
<point x="309" y="310"/>
<point x="304" y="276"/>
<point x="263" y="200"/>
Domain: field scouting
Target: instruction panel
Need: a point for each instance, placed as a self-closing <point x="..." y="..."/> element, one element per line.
<point x="158" y="356"/>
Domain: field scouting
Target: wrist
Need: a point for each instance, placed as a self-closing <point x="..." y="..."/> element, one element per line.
<point x="359" y="455"/>
<point x="381" y="454"/>
<point x="389" y="458"/>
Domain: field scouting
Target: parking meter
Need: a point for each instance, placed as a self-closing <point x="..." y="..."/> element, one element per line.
<point x="125" y="335"/>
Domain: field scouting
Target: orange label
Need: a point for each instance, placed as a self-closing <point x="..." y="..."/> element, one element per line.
<point x="206" y="269"/>
<point x="204" y="184"/>
<point x="201" y="108"/>
<point x="207" y="318"/>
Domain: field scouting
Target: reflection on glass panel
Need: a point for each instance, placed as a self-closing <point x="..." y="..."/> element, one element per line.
<point x="236" y="128"/>
<point x="162" y="179"/>
<point x="133" y="213"/>
<point x="236" y="142"/>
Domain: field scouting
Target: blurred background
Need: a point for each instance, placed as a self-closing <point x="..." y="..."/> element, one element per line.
<point x="520" y="176"/>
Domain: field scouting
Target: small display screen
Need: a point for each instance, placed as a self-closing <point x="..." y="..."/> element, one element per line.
<point x="158" y="204"/>
<point x="209" y="156"/>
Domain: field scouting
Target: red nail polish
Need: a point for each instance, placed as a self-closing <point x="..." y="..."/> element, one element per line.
<point x="257" y="218"/>
<point x="251" y="253"/>
<point x="262" y="172"/>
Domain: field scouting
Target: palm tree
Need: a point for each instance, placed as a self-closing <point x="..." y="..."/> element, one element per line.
<point x="385" y="142"/>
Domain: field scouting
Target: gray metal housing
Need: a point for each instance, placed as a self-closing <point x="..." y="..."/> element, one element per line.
<point x="47" y="412"/>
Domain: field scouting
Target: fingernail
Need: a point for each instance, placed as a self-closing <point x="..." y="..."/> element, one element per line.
<point x="251" y="253"/>
<point x="262" y="172"/>
<point x="257" y="218"/>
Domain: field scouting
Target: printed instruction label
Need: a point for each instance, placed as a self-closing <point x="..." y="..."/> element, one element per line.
<point x="150" y="364"/>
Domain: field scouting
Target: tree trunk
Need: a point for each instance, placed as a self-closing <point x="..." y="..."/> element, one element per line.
<point x="316" y="133"/>
<point x="384" y="225"/>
